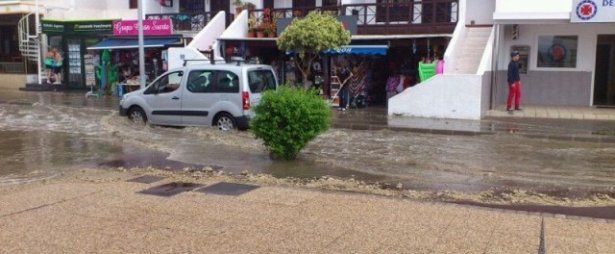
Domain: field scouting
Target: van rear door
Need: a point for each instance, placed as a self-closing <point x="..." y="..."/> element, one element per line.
<point x="259" y="80"/>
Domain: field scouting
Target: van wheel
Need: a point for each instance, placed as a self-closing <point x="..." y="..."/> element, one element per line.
<point x="137" y="116"/>
<point x="225" y="122"/>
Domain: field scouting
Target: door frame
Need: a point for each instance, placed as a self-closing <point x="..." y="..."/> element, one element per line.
<point x="611" y="65"/>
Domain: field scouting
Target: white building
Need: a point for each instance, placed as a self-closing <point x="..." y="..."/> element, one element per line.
<point x="568" y="59"/>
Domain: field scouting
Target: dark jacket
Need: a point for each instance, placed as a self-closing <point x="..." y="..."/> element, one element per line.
<point x="513" y="72"/>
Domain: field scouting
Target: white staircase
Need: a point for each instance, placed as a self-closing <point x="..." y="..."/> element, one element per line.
<point x="470" y="50"/>
<point x="29" y="41"/>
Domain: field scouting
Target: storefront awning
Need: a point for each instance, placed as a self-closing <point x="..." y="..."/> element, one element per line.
<point x="358" y="50"/>
<point x="132" y="43"/>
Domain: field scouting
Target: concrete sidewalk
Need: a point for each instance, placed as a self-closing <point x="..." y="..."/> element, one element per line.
<point x="113" y="217"/>
<point x="568" y="129"/>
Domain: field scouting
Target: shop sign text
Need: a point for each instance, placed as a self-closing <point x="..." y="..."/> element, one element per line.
<point x="150" y="27"/>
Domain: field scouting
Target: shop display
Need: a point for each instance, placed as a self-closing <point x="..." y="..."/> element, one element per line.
<point x="106" y="73"/>
<point x="90" y="64"/>
<point x="74" y="61"/>
<point x="53" y="64"/>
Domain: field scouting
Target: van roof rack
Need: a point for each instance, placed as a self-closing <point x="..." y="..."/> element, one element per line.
<point x="238" y="60"/>
<point x="198" y="60"/>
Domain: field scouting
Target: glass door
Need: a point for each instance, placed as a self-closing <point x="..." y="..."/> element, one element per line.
<point x="75" y="63"/>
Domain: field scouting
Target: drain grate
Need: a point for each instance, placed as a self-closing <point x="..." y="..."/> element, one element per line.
<point x="170" y="189"/>
<point x="230" y="189"/>
<point x="147" y="179"/>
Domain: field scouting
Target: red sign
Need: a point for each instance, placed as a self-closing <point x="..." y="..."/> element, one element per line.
<point x="150" y="27"/>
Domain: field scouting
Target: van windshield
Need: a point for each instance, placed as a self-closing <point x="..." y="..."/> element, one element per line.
<point x="261" y="80"/>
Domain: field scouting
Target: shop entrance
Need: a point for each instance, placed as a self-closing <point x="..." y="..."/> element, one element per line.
<point x="604" y="81"/>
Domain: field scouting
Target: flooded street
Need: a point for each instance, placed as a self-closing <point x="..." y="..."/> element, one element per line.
<point x="45" y="134"/>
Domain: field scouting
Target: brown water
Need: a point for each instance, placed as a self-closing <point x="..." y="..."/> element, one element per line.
<point x="44" y="134"/>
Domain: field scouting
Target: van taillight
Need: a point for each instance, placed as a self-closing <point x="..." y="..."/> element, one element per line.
<point x="245" y="100"/>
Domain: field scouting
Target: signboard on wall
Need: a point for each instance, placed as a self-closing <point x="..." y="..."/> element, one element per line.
<point x="159" y="27"/>
<point x="593" y="11"/>
<point x="77" y="27"/>
<point x="349" y="22"/>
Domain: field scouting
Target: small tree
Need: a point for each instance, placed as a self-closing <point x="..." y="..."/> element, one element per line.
<point x="288" y="118"/>
<point x="310" y="35"/>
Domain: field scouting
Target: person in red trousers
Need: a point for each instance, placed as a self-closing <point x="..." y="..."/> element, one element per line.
<point x="514" y="83"/>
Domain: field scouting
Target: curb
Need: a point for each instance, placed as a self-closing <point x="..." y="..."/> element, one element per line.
<point x="577" y="138"/>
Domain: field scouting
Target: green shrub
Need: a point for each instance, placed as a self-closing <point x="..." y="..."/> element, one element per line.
<point x="288" y="118"/>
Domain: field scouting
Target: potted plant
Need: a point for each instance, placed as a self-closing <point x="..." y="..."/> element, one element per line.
<point x="270" y="28"/>
<point x="252" y="24"/>
<point x="238" y="6"/>
<point x="260" y="31"/>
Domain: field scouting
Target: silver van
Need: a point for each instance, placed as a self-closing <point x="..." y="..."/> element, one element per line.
<point x="220" y="95"/>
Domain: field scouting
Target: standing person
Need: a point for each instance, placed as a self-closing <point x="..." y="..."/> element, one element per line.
<point x="514" y="83"/>
<point x="344" y="93"/>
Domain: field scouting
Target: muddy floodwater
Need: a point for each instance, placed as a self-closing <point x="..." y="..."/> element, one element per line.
<point x="44" y="134"/>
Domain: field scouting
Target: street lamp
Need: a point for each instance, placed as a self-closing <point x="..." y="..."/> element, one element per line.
<point x="141" y="45"/>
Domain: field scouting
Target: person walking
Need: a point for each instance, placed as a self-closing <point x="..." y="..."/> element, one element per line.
<point x="514" y="83"/>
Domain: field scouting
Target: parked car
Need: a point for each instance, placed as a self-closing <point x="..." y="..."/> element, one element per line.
<point x="219" y="95"/>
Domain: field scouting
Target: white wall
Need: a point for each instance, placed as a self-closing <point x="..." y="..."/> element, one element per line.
<point x="454" y="46"/>
<point x="238" y="28"/>
<point x="528" y="35"/>
<point x="518" y="11"/>
<point x="455" y="96"/>
<point x="210" y="33"/>
<point x="537" y="6"/>
<point x="89" y="9"/>
<point x="480" y="11"/>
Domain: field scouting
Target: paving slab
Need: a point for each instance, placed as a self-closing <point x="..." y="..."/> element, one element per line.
<point x="116" y="218"/>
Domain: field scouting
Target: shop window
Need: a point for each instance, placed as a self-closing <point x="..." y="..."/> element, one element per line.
<point x="557" y="51"/>
<point x="200" y="82"/>
<point x="440" y="11"/>
<point x="227" y="82"/>
<point x="166" y="84"/>
<point x="261" y="80"/>
<point x="398" y="11"/>
<point x="133" y="4"/>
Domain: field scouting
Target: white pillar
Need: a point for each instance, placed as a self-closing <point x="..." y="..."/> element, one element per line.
<point x="142" y="78"/>
<point x="40" y="43"/>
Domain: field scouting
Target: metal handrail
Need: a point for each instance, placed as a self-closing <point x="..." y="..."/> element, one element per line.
<point x="185" y="21"/>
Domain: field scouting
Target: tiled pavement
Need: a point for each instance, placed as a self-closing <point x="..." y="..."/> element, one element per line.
<point x="113" y="217"/>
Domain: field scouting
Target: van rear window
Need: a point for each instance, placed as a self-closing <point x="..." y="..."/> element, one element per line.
<point x="261" y="80"/>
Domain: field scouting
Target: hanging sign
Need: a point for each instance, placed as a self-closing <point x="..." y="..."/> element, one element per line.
<point x="156" y="27"/>
<point x="593" y="11"/>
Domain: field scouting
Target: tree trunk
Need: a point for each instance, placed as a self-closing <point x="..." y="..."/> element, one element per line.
<point x="306" y="83"/>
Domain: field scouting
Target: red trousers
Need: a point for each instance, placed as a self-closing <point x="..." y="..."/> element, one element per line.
<point x="514" y="90"/>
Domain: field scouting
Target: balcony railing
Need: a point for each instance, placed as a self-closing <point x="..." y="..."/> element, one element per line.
<point x="411" y="17"/>
<point x="437" y="16"/>
<point x="184" y="22"/>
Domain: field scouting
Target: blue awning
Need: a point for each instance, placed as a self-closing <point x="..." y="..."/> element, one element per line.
<point x="358" y="50"/>
<point x="132" y="43"/>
